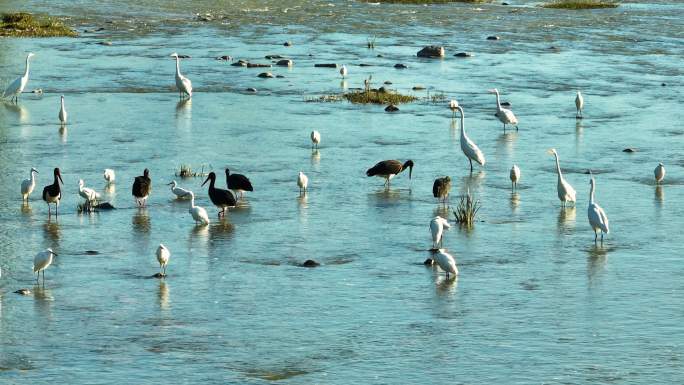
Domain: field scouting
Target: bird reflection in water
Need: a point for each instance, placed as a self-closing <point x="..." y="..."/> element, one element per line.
<point x="63" y="134"/>
<point x="141" y="221"/>
<point x="659" y="194"/>
<point x="454" y="134"/>
<point x="163" y="294"/>
<point x="566" y="218"/>
<point x="18" y="110"/>
<point x="110" y="188"/>
<point x="343" y="84"/>
<point x="515" y="201"/>
<point x="504" y="143"/>
<point x="52" y="229"/>
<point x="315" y="157"/>
<point x="472" y="181"/>
<point x="42" y="301"/>
<point x="26" y="208"/>
<point x="445" y="286"/>
<point x="442" y="211"/>
<point x="596" y="262"/>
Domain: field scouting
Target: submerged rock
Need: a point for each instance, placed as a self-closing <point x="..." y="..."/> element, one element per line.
<point x="225" y="58"/>
<point x="285" y="63"/>
<point x="271" y="57"/>
<point x="240" y="63"/>
<point x="265" y="75"/>
<point x="23" y="291"/>
<point x="258" y="65"/>
<point x="104" y="206"/>
<point x="107" y="43"/>
<point x="310" y="263"/>
<point x="388" y="82"/>
<point x="630" y="149"/>
<point x="325" y="65"/>
<point x="391" y="108"/>
<point x="400" y="66"/>
<point x="251" y="89"/>
<point x="493" y="37"/>
<point x="288" y="44"/>
<point x="280" y="76"/>
<point x="418" y="88"/>
<point x="158" y="275"/>
<point x="464" y="54"/>
<point x="506" y="104"/>
<point x="431" y="51"/>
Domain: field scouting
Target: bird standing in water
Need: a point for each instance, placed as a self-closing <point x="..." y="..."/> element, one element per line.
<point x="142" y="185"/>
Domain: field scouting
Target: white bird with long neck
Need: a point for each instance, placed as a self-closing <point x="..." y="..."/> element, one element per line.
<point x="91" y="196"/>
<point x="315" y="138"/>
<point x="42" y="261"/>
<point x="504" y="115"/>
<point x="183" y="84"/>
<point x="163" y="254"/>
<point x="27" y="185"/>
<point x="343" y="71"/>
<point x="659" y="173"/>
<point x="109" y="175"/>
<point x="579" y="104"/>
<point x="179" y="192"/>
<point x="199" y="214"/>
<point x="453" y="104"/>
<point x="17" y="86"/>
<point x="597" y="217"/>
<point x="302" y="182"/>
<point x="62" y="113"/>
<point x="565" y="191"/>
<point x="446" y="262"/>
<point x="514" y="174"/>
<point x="437" y="225"/>
<point x="470" y="149"/>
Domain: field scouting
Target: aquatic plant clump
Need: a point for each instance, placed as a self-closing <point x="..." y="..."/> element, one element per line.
<point x="467" y="210"/>
<point x="581" y="4"/>
<point x="186" y="171"/>
<point x="23" y="24"/>
<point x="378" y="97"/>
<point x="429" y="1"/>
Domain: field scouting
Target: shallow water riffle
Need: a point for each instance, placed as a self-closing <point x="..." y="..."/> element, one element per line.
<point x="536" y="299"/>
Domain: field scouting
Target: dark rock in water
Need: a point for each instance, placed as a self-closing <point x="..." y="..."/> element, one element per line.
<point x="428" y="262"/>
<point x="493" y="38"/>
<point x="240" y="63"/>
<point x="365" y="65"/>
<point x="100" y="29"/>
<point x="505" y="3"/>
<point x="325" y="65"/>
<point x="663" y="84"/>
<point x="630" y="149"/>
<point x="431" y="51"/>
<point x="400" y="66"/>
<point x="506" y="104"/>
<point x="225" y="57"/>
<point x="159" y="275"/>
<point x="391" y="108"/>
<point x="184" y="56"/>
<point x="382" y="90"/>
<point x="285" y="63"/>
<point x="92" y="252"/>
<point x="280" y="76"/>
<point x="310" y="263"/>
<point x="265" y="75"/>
<point x="23" y="291"/>
<point x="108" y="43"/>
<point x="388" y="82"/>
<point x="251" y="89"/>
<point x="271" y="57"/>
<point x="418" y="88"/>
<point x="258" y="65"/>
<point x="104" y="206"/>
<point x="288" y="44"/>
<point x="378" y="55"/>
<point x="464" y="54"/>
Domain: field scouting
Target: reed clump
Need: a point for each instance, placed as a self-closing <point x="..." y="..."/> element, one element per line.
<point x="467" y="209"/>
<point x="23" y="24"/>
<point x="582" y="4"/>
<point x="186" y="171"/>
<point x="428" y="1"/>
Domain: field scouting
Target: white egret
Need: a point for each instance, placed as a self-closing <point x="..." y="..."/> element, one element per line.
<point x="515" y="176"/>
<point x="453" y="104"/>
<point x="62" y="113"/>
<point x="579" y="104"/>
<point x="163" y="255"/>
<point x="470" y="149"/>
<point x="315" y="138"/>
<point x="504" y="115"/>
<point x="199" y="214"/>
<point x="446" y="262"/>
<point x="597" y="217"/>
<point x="41" y="262"/>
<point x="179" y="192"/>
<point x="302" y="182"/>
<point x="27" y="185"/>
<point x="565" y="191"/>
<point x="437" y="225"/>
<point x="183" y="84"/>
<point x="343" y="71"/>
<point x="87" y="193"/>
<point x="659" y="173"/>
<point x="109" y="175"/>
<point x="17" y="86"/>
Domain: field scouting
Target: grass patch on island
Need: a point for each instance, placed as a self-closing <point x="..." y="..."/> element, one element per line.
<point x="23" y="24"/>
<point x="427" y="1"/>
<point x="581" y="4"/>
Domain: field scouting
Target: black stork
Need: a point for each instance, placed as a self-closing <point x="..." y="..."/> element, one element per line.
<point x="53" y="193"/>
<point x="441" y="188"/>
<point x="388" y="169"/>
<point x="142" y="185"/>
<point x="238" y="183"/>
<point x="219" y="197"/>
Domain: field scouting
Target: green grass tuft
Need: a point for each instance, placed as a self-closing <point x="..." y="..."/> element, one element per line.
<point x="23" y="24"/>
<point x="378" y="97"/>
<point x="428" y="1"/>
<point x="467" y="210"/>
<point x="185" y="171"/>
<point x="581" y="4"/>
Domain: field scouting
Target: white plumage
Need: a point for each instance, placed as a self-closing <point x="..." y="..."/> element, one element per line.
<point x="597" y="217"/>
<point x="62" y="113"/>
<point x="437" y="225"/>
<point x="515" y="176"/>
<point x="109" y="175"/>
<point x="659" y="173"/>
<point x="27" y="185"/>
<point x="470" y="149"/>
<point x="315" y="138"/>
<point x="87" y="193"/>
<point x="163" y="255"/>
<point x="565" y="191"/>
<point x="504" y="115"/>
<point x="446" y="262"/>
<point x="41" y="262"/>
<point x="579" y="104"/>
<point x="179" y="192"/>
<point x="302" y="182"/>
<point x="183" y="84"/>
<point x="343" y="71"/>
<point x="17" y="86"/>
<point x="453" y="104"/>
<point x="199" y="214"/>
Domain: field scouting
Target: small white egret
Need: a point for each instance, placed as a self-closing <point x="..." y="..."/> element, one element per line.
<point x="453" y="104"/>
<point x="437" y="225"/>
<point x="446" y="262"/>
<point x="183" y="84"/>
<point x="343" y="71"/>
<point x="504" y="115"/>
<point x="659" y="173"/>
<point x="62" y="113"/>
<point x="565" y="191"/>
<point x="515" y="176"/>
<point x="41" y="262"/>
<point x="27" y="185"/>
<point x="179" y="192"/>
<point x="579" y="104"/>
<point x="91" y="196"/>
<point x="199" y="214"/>
<point x="470" y="149"/>
<point x="597" y="217"/>
<point x="109" y="175"/>
<point x="315" y="138"/>
<point x="163" y="255"/>
<point x="302" y="182"/>
<point x="17" y="86"/>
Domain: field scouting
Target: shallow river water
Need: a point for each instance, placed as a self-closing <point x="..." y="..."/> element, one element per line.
<point x="536" y="300"/>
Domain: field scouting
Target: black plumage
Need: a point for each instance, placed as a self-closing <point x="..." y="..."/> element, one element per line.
<point x="389" y="168"/>
<point x="219" y="197"/>
<point x="238" y="182"/>
<point x="142" y="185"/>
<point x="441" y="188"/>
<point x="53" y="193"/>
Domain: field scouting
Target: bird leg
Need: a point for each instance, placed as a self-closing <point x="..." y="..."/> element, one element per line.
<point x="471" y="165"/>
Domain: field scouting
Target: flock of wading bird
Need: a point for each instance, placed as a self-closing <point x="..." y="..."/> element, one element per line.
<point x="238" y="184"/>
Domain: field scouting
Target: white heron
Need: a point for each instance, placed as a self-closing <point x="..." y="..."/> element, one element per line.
<point x="302" y="182"/>
<point x="62" y="113"/>
<point x="183" y="84"/>
<point x="315" y="138"/>
<point x="453" y="104"/>
<point x="659" y="173"/>
<point x="179" y="192"/>
<point x="437" y="225"/>
<point x="597" y="217"/>
<point x="41" y="262"/>
<point x="109" y="175"/>
<point x="579" y="104"/>
<point x="504" y="115"/>
<point x="565" y="191"/>
<point x="17" y="86"/>
<point x="199" y="214"/>
<point x="343" y="71"/>
<point x="446" y="262"/>
<point x="163" y="255"/>
<point x="515" y="176"/>
<point x="27" y="185"/>
<point x="470" y="149"/>
<point x="87" y="193"/>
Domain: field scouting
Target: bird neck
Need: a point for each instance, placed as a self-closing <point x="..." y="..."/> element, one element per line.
<point x="498" y="101"/>
<point x="591" y="193"/>
<point x="463" y="133"/>
<point x="26" y="71"/>
<point x="558" y="169"/>
<point x="192" y="201"/>
<point x="33" y="176"/>
<point x="178" y="67"/>
<point x="62" y="103"/>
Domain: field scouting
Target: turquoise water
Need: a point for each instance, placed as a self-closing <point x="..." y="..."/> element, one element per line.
<point x="536" y="301"/>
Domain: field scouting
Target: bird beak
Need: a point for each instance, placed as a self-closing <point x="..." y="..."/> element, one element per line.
<point x="169" y="184"/>
<point x="55" y="254"/>
<point x="205" y="181"/>
<point x="60" y="178"/>
<point x="410" y="171"/>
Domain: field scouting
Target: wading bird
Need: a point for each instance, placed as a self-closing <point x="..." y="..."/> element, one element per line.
<point x="597" y="217"/>
<point x="199" y="214"/>
<point x="579" y="104"/>
<point x="223" y="199"/>
<point x="109" y="175"/>
<point x="437" y="225"/>
<point x="27" y="185"/>
<point x="302" y="182"/>
<point x="659" y="173"/>
<point x="183" y="84"/>
<point x="446" y="262"/>
<point x="88" y="194"/>
<point x="343" y="71"/>
<point x="388" y="169"/>
<point x="441" y="188"/>
<point x="179" y="192"/>
<point x="504" y="115"/>
<point x="470" y="149"/>
<point x="163" y="255"/>
<point x="515" y="176"/>
<point x="565" y="191"/>
<point x="53" y="193"/>
<point x="238" y="183"/>
<point x="62" y="113"/>
<point x="41" y="262"/>
<point x="142" y="185"/>
<point x="17" y="86"/>
<point x="315" y="139"/>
